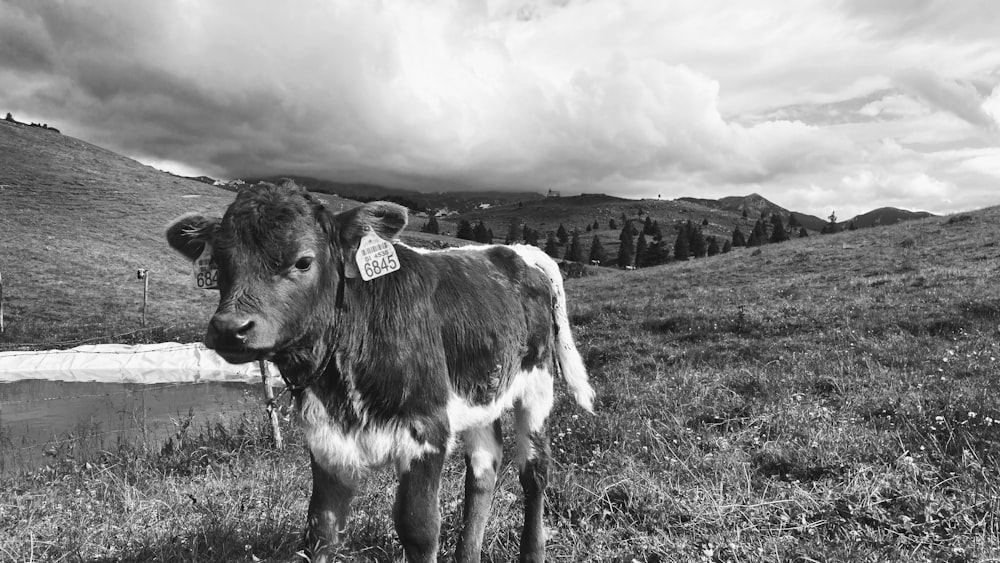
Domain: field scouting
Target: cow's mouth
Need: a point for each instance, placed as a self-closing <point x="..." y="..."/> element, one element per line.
<point x="241" y="355"/>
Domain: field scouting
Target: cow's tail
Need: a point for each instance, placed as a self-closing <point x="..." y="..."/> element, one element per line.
<point x="570" y="363"/>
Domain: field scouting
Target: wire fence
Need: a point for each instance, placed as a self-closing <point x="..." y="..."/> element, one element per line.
<point x="115" y="337"/>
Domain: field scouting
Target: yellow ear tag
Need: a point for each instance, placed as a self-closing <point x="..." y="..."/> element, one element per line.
<point x="206" y="273"/>
<point x="375" y="257"/>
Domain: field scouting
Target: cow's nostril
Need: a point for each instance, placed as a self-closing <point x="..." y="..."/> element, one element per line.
<point x="231" y="326"/>
<point x="243" y="331"/>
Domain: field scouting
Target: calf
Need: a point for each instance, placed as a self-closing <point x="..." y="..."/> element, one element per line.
<point x="393" y="369"/>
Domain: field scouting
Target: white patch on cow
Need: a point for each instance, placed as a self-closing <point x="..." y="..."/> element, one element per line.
<point x="352" y="454"/>
<point x="529" y="391"/>
<point x="483" y="450"/>
<point x="530" y="414"/>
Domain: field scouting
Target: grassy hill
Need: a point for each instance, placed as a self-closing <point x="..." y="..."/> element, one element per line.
<point x="833" y="398"/>
<point x="77" y="222"/>
<point x="754" y="205"/>
<point x="579" y="212"/>
<point x="886" y="216"/>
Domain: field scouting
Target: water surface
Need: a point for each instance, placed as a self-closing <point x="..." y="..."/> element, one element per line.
<point x="43" y="420"/>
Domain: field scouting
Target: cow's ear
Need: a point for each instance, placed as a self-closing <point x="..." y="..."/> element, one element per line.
<point x="383" y="218"/>
<point x="188" y="234"/>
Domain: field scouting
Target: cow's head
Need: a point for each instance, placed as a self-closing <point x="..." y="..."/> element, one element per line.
<point x="282" y="258"/>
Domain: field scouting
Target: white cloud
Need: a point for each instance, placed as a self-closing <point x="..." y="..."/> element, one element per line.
<point x="631" y="97"/>
<point x="895" y="106"/>
<point x="991" y="106"/>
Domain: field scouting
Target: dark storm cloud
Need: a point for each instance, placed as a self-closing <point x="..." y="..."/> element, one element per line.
<point x="630" y="96"/>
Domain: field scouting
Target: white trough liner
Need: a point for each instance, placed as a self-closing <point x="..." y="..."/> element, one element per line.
<point x="168" y="362"/>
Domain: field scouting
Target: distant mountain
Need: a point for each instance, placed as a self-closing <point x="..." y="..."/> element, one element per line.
<point x="755" y="204"/>
<point x="887" y="216"/>
<point x="418" y="201"/>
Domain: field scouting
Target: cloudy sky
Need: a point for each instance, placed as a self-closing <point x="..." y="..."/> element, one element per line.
<point x="819" y="105"/>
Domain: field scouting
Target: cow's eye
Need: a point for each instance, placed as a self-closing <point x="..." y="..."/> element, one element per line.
<point x="304" y="263"/>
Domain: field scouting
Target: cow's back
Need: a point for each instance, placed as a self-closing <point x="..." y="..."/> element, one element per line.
<point x="495" y="318"/>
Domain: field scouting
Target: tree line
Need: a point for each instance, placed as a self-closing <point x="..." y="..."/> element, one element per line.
<point x="641" y="243"/>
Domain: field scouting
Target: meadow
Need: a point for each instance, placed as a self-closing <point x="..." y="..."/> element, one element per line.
<point x="832" y="398"/>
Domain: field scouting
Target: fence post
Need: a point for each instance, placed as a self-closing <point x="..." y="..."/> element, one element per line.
<point x="143" y="274"/>
<point x="1" y="303"/>
<point x="272" y="412"/>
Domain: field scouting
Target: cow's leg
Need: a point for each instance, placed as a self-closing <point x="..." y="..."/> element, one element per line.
<point x="483" y="454"/>
<point x="329" y="508"/>
<point x="530" y="415"/>
<point x="417" y="513"/>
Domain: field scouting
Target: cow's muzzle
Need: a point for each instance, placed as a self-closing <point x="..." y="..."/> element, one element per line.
<point x="232" y="336"/>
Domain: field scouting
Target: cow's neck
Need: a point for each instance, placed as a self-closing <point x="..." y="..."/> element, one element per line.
<point x="303" y="364"/>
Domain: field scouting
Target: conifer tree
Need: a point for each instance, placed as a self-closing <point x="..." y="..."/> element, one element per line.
<point x="778" y="233"/>
<point x="589" y="227"/>
<point x="744" y="214"/>
<point x="682" y="247"/>
<point x="803" y="233"/>
<point x="626" y="250"/>
<point x="738" y="238"/>
<point x="658" y="253"/>
<point x="596" y="251"/>
<point x="831" y="227"/>
<point x="704" y="222"/>
<point x="432" y="226"/>
<point x="480" y="233"/>
<point x="513" y="232"/>
<point x="551" y="246"/>
<point x="531" y="236"/>
<point x="793" y="223"/>
<point x="759" y="234"/>
<point x="562" y="235"/>
<point x="697" y="246"/>
<point x="465" y="230"/>
<point x="575" y="251"/>
<point x="641" y="248"/>
<point x="647" y="226"/>
<point x="612" y="225"/>
<point x="851" y="226"/>
<point x="713" y="246"/>
<point x="727" y="246"/>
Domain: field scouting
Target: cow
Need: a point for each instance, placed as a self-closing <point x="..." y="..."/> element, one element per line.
<point x="395" y="369"/>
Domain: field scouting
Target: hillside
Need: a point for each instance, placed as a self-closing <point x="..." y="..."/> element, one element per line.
<point x="886" y="216"/>
<point x="577" y="212"/>
<point x="78" y="220"/>
<point x="754" y="205"/>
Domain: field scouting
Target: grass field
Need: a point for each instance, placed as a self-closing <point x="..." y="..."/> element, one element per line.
<point x="834" y="398"/>
<point x="828" y="399"/>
